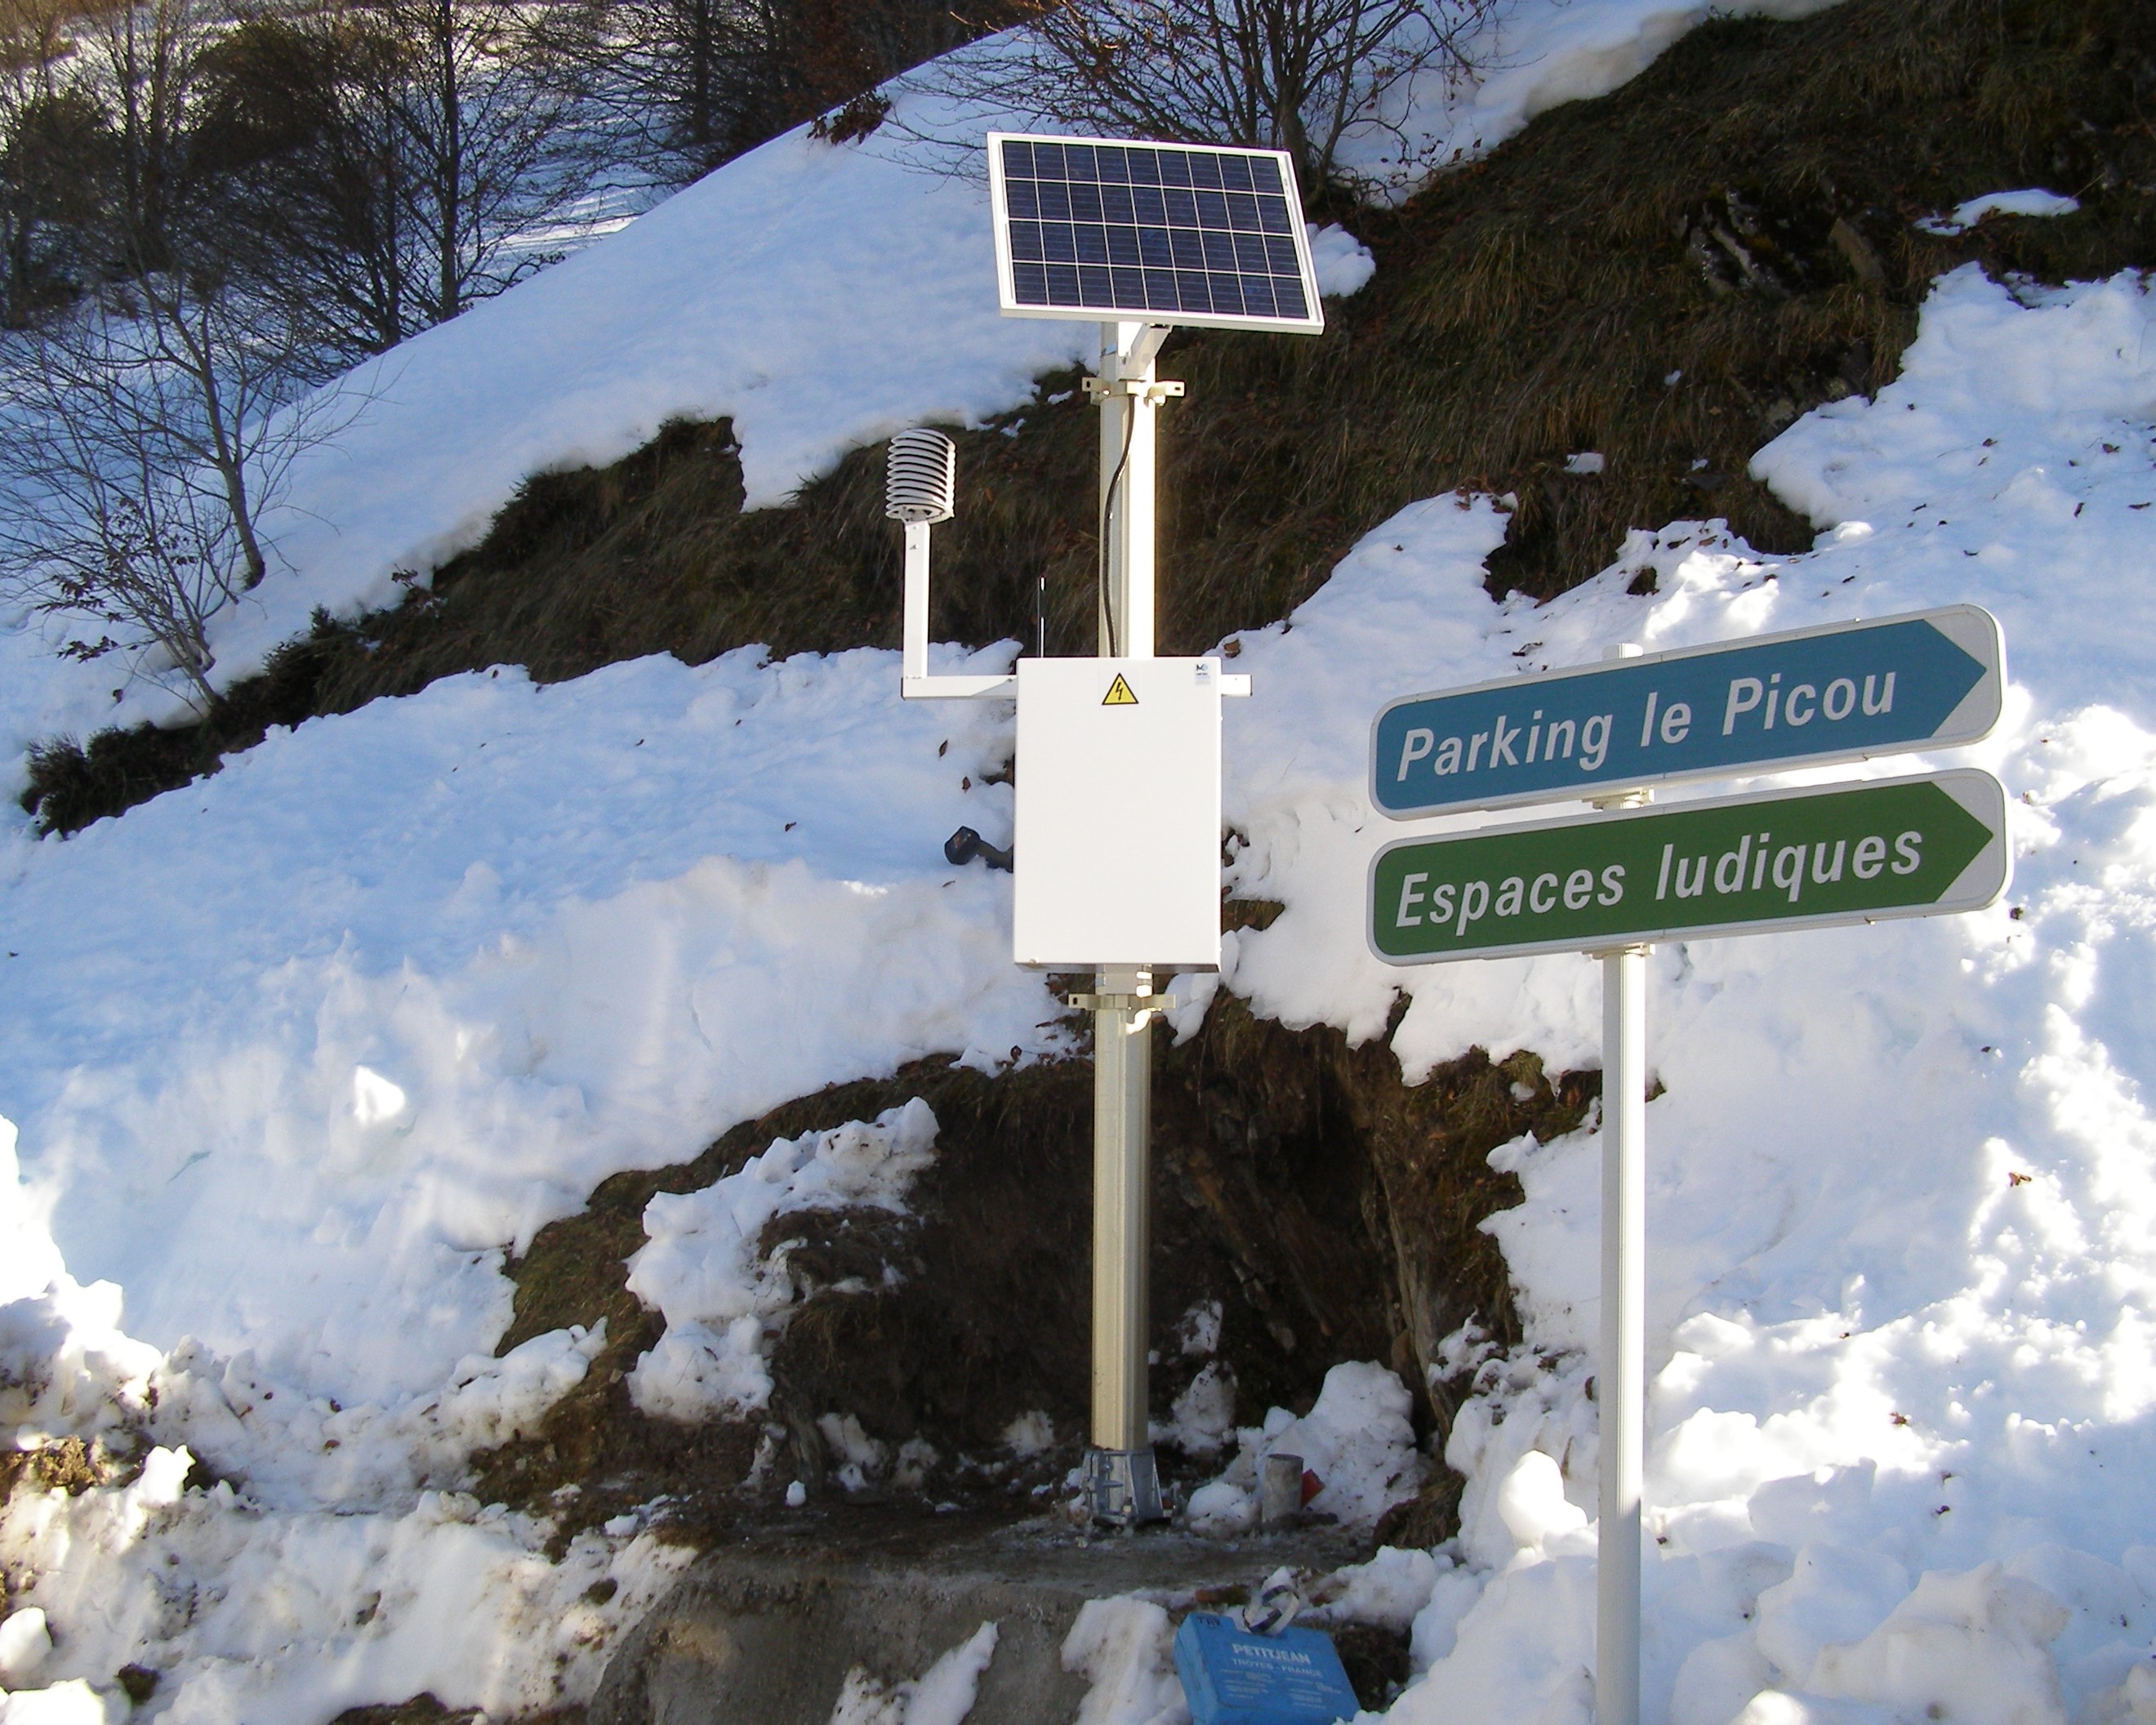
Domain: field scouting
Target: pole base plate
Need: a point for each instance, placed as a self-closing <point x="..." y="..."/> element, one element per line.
<point x="1121" y="1488"/>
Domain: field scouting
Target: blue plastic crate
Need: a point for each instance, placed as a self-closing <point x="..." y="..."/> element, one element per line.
<point x="1231" y="1677"/>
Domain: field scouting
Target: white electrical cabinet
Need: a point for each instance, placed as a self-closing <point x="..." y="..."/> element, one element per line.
<point x="1118" y="830"/>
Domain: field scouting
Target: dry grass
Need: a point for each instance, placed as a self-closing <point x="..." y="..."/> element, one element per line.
<point x="1526" y="307"/>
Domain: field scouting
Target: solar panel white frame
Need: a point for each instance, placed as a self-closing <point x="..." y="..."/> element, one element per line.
<point x="1298" y="235"/>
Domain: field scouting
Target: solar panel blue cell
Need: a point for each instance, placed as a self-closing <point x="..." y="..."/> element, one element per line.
<point x="1206" y="233"/>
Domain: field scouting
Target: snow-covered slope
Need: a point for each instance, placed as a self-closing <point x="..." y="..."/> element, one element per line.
<point x="820" y="295"/>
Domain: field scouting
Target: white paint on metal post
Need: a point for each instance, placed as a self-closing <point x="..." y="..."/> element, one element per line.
<point x="1620" y="1386"/>
<point x="1122" y="1091"/>
<point x="913" y="660"/>
<point x="1122" y="1484"/>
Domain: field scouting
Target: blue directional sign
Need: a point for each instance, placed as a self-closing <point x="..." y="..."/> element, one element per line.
<point x="1844" y="692"/>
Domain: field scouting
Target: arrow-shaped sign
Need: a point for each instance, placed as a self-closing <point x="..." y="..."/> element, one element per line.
<point x="1847" y="691"/>
<point x="1801" y="859"/>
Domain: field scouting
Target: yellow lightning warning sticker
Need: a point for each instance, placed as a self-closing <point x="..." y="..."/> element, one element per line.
<point x="1119" y="694"/>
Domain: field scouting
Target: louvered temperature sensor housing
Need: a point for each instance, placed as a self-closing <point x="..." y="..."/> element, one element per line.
<point x="920" y="488"/>
<point x="921" y="483"/>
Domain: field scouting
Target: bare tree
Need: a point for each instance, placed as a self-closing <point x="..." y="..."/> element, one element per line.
<point x="678" y="87"/>
<point x="1298" y="75"/>
<point x="54" y="154"/>
<point x="142" y="435"/>
<point x="389" y="162"/>
<point x="478" y="120"/>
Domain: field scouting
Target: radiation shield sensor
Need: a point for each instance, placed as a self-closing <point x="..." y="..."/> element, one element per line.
<point x="1109" y="230"/>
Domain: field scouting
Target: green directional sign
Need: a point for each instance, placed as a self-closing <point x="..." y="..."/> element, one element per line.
<point x="1796" y="859"/>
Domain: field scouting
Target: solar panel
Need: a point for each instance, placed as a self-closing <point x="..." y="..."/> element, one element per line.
<point x="1174" y="234"/>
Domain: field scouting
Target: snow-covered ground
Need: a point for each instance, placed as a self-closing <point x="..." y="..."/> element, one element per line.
<point x="297" y="1055"/>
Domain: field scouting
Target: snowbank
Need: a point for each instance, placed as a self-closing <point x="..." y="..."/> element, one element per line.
<point x="1356" y="1441"/>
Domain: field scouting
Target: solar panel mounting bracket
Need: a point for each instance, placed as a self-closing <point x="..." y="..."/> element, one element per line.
<point x="1152" y="392"/>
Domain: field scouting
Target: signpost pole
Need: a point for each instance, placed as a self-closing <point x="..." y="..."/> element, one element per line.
<point x="1620" y="1388"/>
<point x="1121" y="1484"/>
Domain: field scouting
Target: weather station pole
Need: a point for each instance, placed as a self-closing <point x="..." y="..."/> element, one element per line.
<point x="1122" y="1481"/>
<point x="1116" y="847"/>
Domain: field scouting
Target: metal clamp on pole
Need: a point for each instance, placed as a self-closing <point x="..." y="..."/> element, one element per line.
<point x="1131" y="1004"/>
<point x="1151" y="390"/>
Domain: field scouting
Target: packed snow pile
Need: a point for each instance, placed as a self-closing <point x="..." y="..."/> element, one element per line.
<point x="1357" y="1443"/>
<point x="323" y="1569"/>
<point x="942" y="1695"/>
<point x="725" y="1303"/>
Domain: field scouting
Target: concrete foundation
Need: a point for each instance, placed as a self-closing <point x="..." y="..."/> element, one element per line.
<point x="765" y="1633"/>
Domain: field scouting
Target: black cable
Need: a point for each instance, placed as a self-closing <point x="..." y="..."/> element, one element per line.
<point x="1107" y="502"/>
